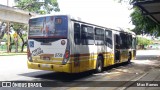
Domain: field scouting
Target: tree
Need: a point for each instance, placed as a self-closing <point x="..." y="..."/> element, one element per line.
<point x="142" y="42"/>
<point x="44" y="7"/>
<point x="130" y="1"/>
<point x="19" y="28"/>
<point x="143" y="24"/>
<point x="35" y="6"/>
<point x="2" y="29"/>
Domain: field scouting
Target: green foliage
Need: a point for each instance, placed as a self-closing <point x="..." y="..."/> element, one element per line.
<point x="4" y="37"/>
<point x="130" y="1"/>
<point x="17" y="26"/>
<point x="144" y="41"/>
<point x="35" y="6"/>
<point x="143" y="24"/>
<point x="45" y="7"/>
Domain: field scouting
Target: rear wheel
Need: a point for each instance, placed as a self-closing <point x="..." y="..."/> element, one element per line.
<point x="99" y="64"/>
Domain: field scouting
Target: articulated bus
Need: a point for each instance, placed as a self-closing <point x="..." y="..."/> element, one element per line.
<point x="64" y="44"/>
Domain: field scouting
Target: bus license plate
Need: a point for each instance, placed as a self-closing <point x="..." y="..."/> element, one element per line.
<point x="45" y="65"/>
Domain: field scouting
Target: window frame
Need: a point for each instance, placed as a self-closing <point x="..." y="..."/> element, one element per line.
<point x="79" y="39"/>
<point x="109" y="42"/>
<point x="87" y="35"/>
<point x="100" y="36"/>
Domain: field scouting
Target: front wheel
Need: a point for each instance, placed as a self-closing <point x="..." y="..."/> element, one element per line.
<point x="99" y="64"/>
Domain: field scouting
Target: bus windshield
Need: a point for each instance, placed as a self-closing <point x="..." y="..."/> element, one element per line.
<point x="50" y="26"/>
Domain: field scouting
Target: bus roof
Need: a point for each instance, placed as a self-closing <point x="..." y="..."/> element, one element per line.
<point x="46" y="15"/>
<point x="77" y="19"/>
<point x="118" y="29"/>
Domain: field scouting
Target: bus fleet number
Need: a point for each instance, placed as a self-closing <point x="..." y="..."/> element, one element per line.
<point x="58" y="55"/>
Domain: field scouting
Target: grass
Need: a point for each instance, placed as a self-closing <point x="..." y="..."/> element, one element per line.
<point x="12" y="53"/>
<point x="3" y="51"/>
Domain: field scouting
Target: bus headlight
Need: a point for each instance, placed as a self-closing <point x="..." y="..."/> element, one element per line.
<point x="65" y="61"/>
<point x="30" y="58"/>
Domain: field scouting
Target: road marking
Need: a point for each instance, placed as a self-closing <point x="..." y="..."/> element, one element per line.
<point x="134" y="80"/>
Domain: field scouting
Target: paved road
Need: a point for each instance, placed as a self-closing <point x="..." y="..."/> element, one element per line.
<point x="15" y="68"/>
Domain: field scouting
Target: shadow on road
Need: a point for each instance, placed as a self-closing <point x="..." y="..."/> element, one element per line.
<point x="66" y="77"/>
<point x="58" y="76"/>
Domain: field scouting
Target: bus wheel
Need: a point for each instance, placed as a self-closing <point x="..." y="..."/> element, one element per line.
<point x="99" y="64"/>
<point x="129" y="57"/>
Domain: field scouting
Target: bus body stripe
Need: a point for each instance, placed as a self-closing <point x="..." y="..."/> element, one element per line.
<point x="89" y="54"/>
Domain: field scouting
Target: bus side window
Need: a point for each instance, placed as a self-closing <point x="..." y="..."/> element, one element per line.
<point x="77" y="39"/>
<point x="108" y="38"/>
<point x="124" y="44"/>
<point x="130" y="41"/>
<point x="118" y="42"/>
<point x="87" y="35"/>
<point x="99" y="36"/>
<point x="134" y="43"/>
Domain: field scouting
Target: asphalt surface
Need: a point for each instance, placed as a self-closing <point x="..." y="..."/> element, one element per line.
<point x="117" y="77"/>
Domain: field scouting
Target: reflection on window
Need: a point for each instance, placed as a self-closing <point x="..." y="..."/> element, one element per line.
<point x="77" y="39"/>
<point x="108" y="38"/>
<point x="129" y="41"/>
<point x="134" y="43"/>
<point x="125" y="41"/>
<point x="99" y="36"/>
<point x="87" y="35"/>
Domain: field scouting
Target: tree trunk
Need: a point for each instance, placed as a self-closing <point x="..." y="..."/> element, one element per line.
<point x="9" y="47"/>
<point x="22" y="44"/>
<point x="25" y="43"/>
<point x="16" y="44"/>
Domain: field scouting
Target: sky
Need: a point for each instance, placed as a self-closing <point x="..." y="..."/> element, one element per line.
<point x="107" y="13"/>
<point x="10" y="2"/>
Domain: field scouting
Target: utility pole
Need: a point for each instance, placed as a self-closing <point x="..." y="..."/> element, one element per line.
<point x="8" y="36"/>
<point x="7" y="2"/>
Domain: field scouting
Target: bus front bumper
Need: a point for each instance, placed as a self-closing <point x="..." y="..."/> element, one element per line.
<point x="51" y="67"/>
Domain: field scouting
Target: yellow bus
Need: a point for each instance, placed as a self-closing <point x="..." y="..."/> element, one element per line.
<point x="64" y="44"/>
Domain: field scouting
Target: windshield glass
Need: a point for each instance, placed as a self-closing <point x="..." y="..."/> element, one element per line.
<point x="48" y="26"/>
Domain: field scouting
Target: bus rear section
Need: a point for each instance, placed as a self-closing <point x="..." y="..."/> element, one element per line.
<point x="48" y="46"/>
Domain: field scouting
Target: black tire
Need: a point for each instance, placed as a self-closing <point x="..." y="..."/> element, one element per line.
<point x="129" y="58"/>
<point x="99" y="65"/>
